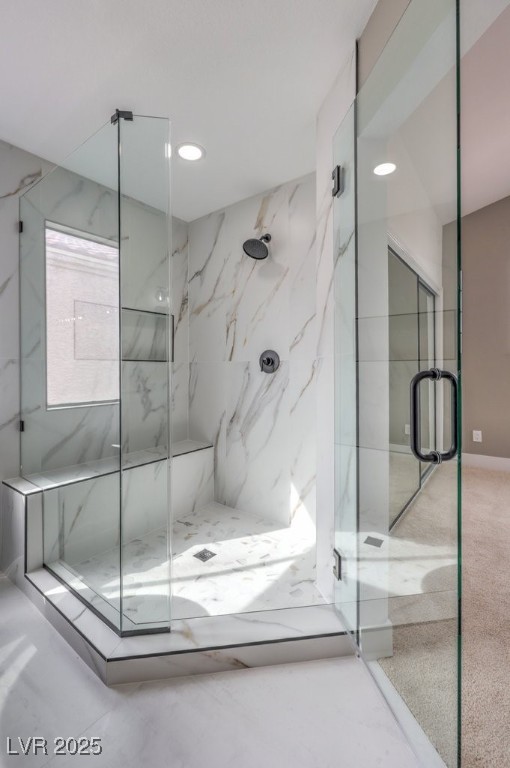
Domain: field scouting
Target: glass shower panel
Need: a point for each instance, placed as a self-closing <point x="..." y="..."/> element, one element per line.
<point x="70" y="439"/>
<point x="408" y="574"/>
<point x="147" y="341"/>
<point x="344" y="230"/>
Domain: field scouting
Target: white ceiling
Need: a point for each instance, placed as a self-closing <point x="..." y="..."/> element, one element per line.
<point x="244" y="78"/>
<point x="420" y="113"/>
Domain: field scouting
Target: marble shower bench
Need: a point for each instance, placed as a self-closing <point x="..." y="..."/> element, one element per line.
<point x="81" y="504"/>
<point x="192" y="475"/>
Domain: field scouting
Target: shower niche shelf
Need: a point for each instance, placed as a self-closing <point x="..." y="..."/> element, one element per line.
<point x="145" y="335"/>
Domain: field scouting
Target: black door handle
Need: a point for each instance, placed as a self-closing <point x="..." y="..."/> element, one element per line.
<point x="433" y="457"/>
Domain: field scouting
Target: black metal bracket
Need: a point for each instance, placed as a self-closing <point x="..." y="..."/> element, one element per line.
<point x="338" y="181"/>
<point x="337" y="565"/>
<point x="120" y="114"/>
<point x="172" y="338"/>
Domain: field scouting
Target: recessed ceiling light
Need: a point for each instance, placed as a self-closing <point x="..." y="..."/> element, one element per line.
<point x="190" y="151"/>
<point x="384" y="169"/>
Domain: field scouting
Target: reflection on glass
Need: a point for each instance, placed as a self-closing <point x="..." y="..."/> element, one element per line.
<point x="411" y="340"/>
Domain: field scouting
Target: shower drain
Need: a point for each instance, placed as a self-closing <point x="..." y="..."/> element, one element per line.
<point x="204" y="555"/>
<point x="373" y="541"/>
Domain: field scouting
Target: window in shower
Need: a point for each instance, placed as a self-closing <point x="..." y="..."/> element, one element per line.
<point x="82" y="318"/>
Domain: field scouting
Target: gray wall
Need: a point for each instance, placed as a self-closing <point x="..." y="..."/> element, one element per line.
<point x="486" y="329"/>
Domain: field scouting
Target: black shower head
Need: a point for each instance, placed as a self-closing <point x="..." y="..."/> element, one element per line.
<point x="257" y="249"/>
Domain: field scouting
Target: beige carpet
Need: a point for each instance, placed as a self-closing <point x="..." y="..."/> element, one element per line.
<point x="486" y="619"/>
<point x="423" y="667"/>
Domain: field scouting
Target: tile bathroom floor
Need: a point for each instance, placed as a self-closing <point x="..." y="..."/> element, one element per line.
<point x="257" y="565"/>
<point x="325" y="713"/>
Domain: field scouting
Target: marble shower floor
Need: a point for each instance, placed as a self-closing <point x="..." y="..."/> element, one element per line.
<point x="258" y="565"/>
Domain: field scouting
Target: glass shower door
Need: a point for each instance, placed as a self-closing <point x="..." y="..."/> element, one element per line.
<point x="405" y="576"/>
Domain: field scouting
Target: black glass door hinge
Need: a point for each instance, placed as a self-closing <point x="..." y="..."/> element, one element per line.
<point x="337" y="565"/>
<point x="21" y="425"/>
<point x="121" y="114"/>
<point x="338" y="181"/>
<point x="20" y="226"/>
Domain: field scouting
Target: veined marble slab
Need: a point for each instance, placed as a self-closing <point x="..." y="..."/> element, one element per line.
<point x="262" y="426"/>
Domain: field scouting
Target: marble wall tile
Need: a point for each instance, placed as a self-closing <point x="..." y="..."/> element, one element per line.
<point x="257" y="463"/>
<point x="12" y="544"/>
<point x="192" y="481"/>
<point x="303" y="444"/>
<point x="179" y="285"/>
<point x="303" y="265"/>
<point x="144" y="405"/>
<point x="238" y="308"/>
<point x="9" y="417"/>
<point x="257" y="310"/>
<point x="34" y="533"/>
<point x="208" y="414"/>
<point x="144" y="254"/>
<point x="325" y="474"/>
<point x="180" y="401"/>
<point x="209" y="286"/>
<point x="145" y="336"/>
<point x="179" y="308"/>
<point x="73" y="436"/>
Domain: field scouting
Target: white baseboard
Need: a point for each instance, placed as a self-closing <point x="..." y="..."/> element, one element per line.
<point x="486" y="462"/>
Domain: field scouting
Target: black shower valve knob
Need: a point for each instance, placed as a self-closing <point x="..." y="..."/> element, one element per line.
<point x="269" y="361"/>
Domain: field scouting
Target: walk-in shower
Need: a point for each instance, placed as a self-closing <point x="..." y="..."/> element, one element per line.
<point x="167" y="389"/>
<point x="220" y="454"/>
